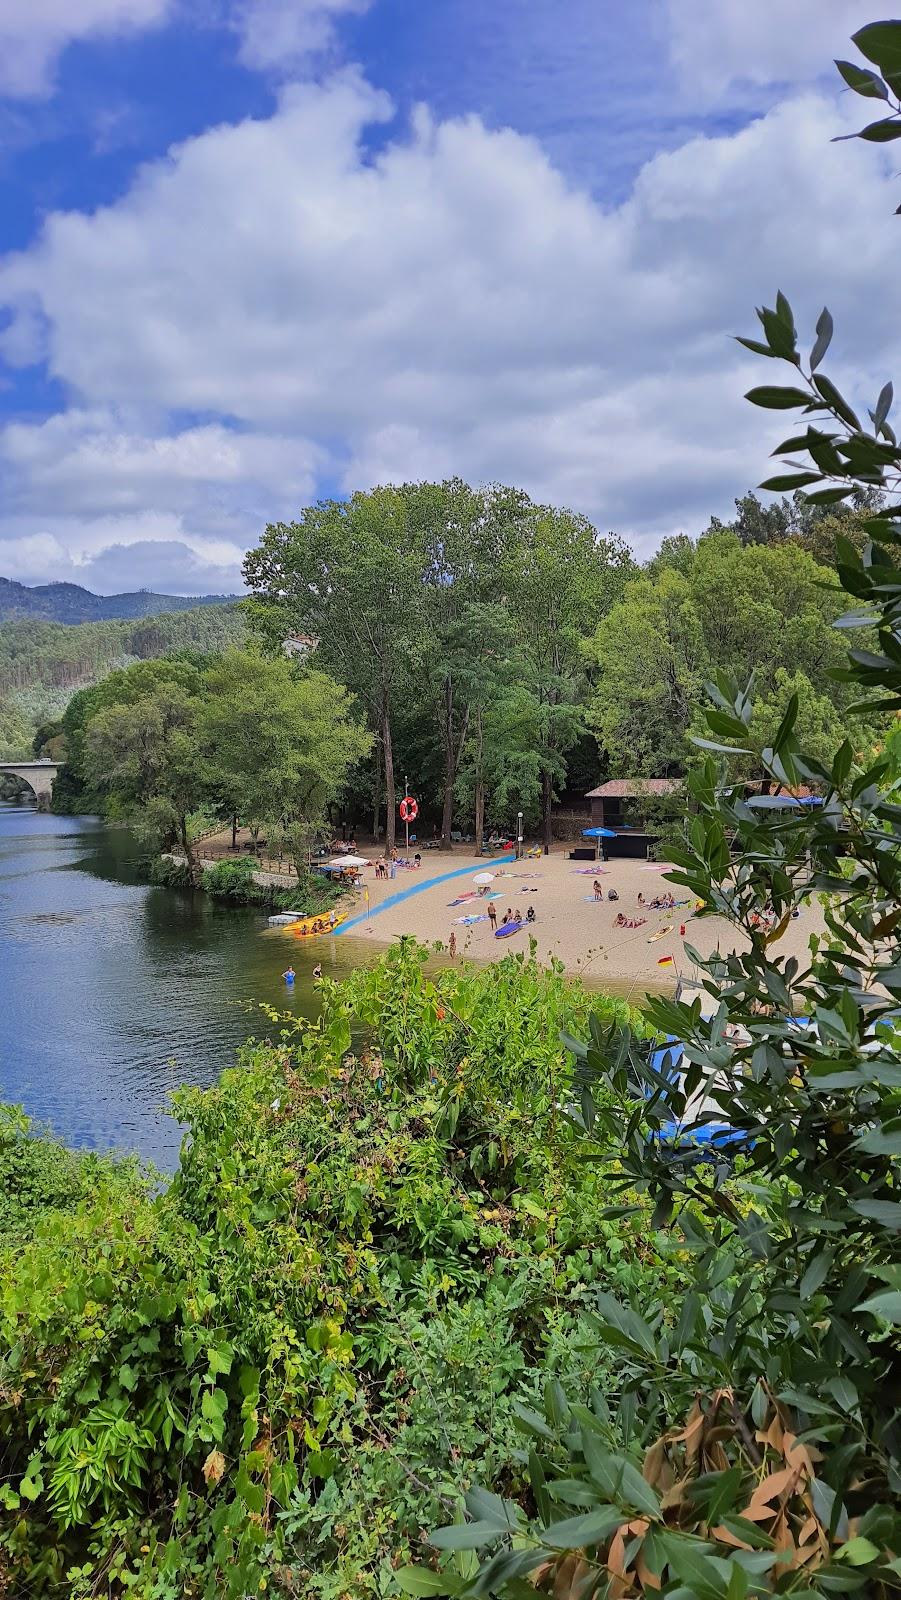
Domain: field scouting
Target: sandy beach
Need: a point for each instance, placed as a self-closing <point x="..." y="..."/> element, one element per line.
<point x="570" y="924"/>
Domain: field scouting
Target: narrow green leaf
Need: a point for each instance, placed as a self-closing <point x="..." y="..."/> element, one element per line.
<point x="758" y="348"/>
<point x="863" y="81"/>
<point x="888" y="1212"/>
<point x="787" y="481"/>
<point x="883" y="406"/>
<point x="886" y="1304"/>
<point x="823" y="338"/>
<point x="857" y="1552"/>
<point x="833" y="398"/>
<point x="464" y="1536"/>
<point x="880" y="42"/>
<point x="881" y="132"/>
<point x="775" y="397"/>
<point x="421" y="1581"/>
<point x="577" y="1533"/>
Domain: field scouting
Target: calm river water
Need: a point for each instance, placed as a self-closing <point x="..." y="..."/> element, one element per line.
<point x="112" y="992"/>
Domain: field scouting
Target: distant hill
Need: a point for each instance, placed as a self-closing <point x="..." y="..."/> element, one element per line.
<point x="43" y="663"/>
<point x="69" y="602"/>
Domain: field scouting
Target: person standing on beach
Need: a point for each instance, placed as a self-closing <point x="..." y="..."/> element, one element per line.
<point x="452" y="947"/>
<point x="492" y="916"/>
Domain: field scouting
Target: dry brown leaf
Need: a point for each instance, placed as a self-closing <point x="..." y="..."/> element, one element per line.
<point x="781" y="1534"/>
<point x="616" y="1564"/>
<point x="214" y="1466"/>
<point x="646" y="1577"/>
<point x="653" y="1462"/>
<point x="723" y="1536"/>
<point x="777" y="1483"/>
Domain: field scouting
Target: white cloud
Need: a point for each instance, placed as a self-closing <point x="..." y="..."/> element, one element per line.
<point x="283" y="35"/>
<point x="451" y="304"/>
<point x="717" y="44"/>
<point x="91" y="497"/>
<point x="34" y="34"/>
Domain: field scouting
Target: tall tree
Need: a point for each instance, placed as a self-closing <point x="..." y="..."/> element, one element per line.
<point x="146" y="756"/>
<point x="277" y="743"/>
<point x="349" y="574"/>
<point x="466" y="533"/>
<point x="560" y="577"/>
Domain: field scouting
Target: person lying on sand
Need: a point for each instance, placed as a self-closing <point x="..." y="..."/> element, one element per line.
<point x="621" y="921"/>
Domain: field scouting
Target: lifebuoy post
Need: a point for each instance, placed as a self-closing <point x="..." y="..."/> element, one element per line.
<point x="409" y="809"/>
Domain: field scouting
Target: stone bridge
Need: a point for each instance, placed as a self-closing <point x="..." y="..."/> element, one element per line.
<point x="39" y="776"/>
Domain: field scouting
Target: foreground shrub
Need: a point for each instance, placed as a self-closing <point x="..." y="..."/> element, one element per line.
<point x="255" y="1377"/>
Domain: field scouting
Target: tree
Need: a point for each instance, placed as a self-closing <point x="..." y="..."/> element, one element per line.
<point x="145" y="754"/>
<point x="656" y="649"/>
<point x="466" y="534"/>
<point x="560" y="577"/>
<point x="652" y="659"/>
<point x="349" y="574"/>
<point x="277" y="743"/>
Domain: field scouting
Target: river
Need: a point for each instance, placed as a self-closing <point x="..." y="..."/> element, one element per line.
<point x="113" y="992"/>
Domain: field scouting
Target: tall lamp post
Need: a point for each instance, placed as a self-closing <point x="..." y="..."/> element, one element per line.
<point x="518" y="835"/>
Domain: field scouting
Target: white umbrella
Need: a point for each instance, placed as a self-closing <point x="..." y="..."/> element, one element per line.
<point x="483" y="877"/>
<point x="349" y="861"/>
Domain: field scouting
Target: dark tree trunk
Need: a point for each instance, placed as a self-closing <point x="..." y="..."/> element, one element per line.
<point x="234" y="832"/>
<point x="188" y="848"/>
<point x="479" y="788"/>
<point x="547" y="796"/>
<point x="377" y="794"/>
<point x="390" y="792"/>
<point x="447" y="815"/>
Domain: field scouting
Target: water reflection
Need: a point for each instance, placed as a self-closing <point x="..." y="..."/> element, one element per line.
<point x="113" y="992"/>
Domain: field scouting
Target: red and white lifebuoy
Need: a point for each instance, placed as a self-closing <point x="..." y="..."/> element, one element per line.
<point x="409" y="809"/>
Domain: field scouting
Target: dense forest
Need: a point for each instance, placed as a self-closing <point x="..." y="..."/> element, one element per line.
<point x="504" y="653"/>
<point x="43" y="663"/>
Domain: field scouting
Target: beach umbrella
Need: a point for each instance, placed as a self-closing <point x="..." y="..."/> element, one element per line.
<point x="483" y="877"/>
<point x="349" y="861"/>
<point x="597" y="834"/>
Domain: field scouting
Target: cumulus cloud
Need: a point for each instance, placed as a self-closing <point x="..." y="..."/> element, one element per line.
<point x="34" y="34"/>
<point x="89" y="496"/>
<point x="717" y="44"/>
<point x="451" y="304"/>
<point x="282" y="36"/>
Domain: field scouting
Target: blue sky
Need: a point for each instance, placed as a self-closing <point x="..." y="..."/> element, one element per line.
<point x="253" y="251"/>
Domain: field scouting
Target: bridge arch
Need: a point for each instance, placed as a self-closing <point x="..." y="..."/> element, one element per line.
<point x="39" y="776"/>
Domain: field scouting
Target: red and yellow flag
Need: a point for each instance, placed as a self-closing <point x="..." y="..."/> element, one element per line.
<point x="666" y="961"/>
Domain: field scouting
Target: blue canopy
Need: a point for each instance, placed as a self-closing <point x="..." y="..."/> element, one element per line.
<point x="598" y="833"/>
<point x="782" y="802"/>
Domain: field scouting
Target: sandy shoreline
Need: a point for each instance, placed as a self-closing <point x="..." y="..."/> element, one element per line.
<point x="570" y="925"/>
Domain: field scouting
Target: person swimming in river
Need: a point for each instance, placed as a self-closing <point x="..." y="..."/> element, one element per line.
<point x="317" y="970"/>
<point x="289" y="976"/>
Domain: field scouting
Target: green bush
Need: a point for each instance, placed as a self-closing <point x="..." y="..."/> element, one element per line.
<point x="38" y="1174"/>
<point x="256" y="1377"/>
<point x="234" y="880"/>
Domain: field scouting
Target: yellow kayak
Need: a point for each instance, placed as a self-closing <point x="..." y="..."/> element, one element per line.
<point x="320" y="924"/>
